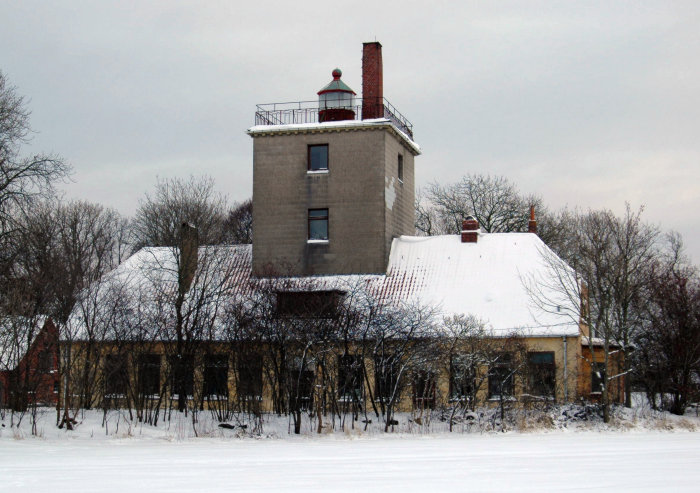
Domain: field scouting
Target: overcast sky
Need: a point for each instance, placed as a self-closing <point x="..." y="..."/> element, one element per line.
<point x="588" y="104"/>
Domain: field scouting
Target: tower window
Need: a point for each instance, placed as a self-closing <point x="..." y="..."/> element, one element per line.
<point x="400" y="167"/>
<point x="318" y="224"/>
<point x="318" y="157"/>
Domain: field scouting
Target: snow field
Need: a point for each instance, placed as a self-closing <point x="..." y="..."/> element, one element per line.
<point x="561" y="461"/>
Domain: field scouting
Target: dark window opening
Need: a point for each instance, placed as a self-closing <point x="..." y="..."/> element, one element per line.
<point x="462" y="379"/>
<point x="149" y="374"/>
<point x="386" y="370"/>
<point x="309" y="304"/>
<point x="182" y="375"/>
<point x="350" y="375"/>
<point x="318" y="224"/>
<point x="45" y="360"/>
<point x="541" y="374"/>
<point x="318" y="157"/>
<point x="501" y="377"/>
<point x="116" y="375"/>
<point x="300" y="380"/>
<point x="597" y="377"/>
<point x="400" y="167"/>
<point x="216" y="376"/>
<point x="424" y="387"/>
<point x="250" y="373"/>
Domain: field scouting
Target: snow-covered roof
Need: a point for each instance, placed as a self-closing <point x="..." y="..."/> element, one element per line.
<point x="17" y="334"/>
<point x="488" y="279"/>
<point x="333" y="126"/>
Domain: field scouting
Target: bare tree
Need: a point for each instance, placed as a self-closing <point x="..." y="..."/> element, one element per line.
<point x="238" y="226"/>
<point x="22" y="179"/>
<point x="667" y="352"/>
<point x="492" y="200"/>
<point x="174" y="202"/>
<point x="596" y="279"/>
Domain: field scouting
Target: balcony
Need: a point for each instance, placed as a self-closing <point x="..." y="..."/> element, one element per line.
<point x="308" y="112"/>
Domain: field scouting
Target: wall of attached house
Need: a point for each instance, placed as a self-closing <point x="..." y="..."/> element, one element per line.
<point x="616" y="386"/>
<point x="570" y="376"/>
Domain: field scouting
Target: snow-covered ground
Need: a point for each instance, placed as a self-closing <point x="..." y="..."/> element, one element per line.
<point x="561" y="461"/>
<point x="569" y="451"/>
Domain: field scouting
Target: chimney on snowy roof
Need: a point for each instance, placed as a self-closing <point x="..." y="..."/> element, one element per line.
<point x="372" y="81"/>
<point x="470" y="230"/>
<point x="532" y="224"/>
<point x="189" y="252"/>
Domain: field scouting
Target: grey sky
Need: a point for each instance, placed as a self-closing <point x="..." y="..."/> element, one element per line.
<point x="587" y="104"/>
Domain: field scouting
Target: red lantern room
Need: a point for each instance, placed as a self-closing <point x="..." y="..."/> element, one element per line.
<point x="336" y="101"/>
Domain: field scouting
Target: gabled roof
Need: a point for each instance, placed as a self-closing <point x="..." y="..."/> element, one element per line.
<point x="17" y="334"/>
<point x="488" y="279"/>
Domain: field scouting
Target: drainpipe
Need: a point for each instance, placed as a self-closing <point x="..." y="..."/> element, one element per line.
<point x="566" y="379"/>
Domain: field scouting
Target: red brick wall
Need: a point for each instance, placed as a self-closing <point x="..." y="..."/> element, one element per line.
<point x="36" y="376"/>
<point x="372" y="81"/>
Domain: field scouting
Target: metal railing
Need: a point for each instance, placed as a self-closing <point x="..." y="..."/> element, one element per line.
<point x="308" y="112"/>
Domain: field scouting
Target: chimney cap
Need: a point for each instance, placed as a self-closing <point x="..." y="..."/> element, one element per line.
<point x="470" y="224"/>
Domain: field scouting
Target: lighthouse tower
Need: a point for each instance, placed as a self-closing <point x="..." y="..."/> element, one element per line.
<point x="330" y="189"/>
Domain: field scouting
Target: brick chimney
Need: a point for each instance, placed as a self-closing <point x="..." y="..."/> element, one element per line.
<point x="372" y="81"/>
<point x="189" y="253"/>
<point x="470" y="230"/>
<point x="532" y="224"/>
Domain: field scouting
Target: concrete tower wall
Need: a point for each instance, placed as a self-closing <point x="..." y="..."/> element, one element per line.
<point x="367" y="203"/>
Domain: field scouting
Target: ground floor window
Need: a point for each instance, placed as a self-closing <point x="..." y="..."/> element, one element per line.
<point x="250" y="376"/>
<point x="216" y="376"/>
<point x="386" y="373"/>
<point x="501" y="377"/>
<point x="116" y="376"/>
<point x="424" y="388"/>
<point x="597" y="377"/>
<point x="149" y="374"/>
<point x="541" y="374"/>
<point x="462" y="378"/>
<point x="300" y="381"/>
<point x="181" y="375"/>
<point x="350" y="376"/>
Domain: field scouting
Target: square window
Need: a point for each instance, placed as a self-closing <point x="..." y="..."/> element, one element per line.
<point x="318" y="157"/>
<point x="318" y="224"/>
<point x="400" y="167"/>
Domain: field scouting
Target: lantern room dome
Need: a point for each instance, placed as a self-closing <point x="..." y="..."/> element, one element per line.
<point x="336" y="85"/>
<point x="336" y="101"/>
